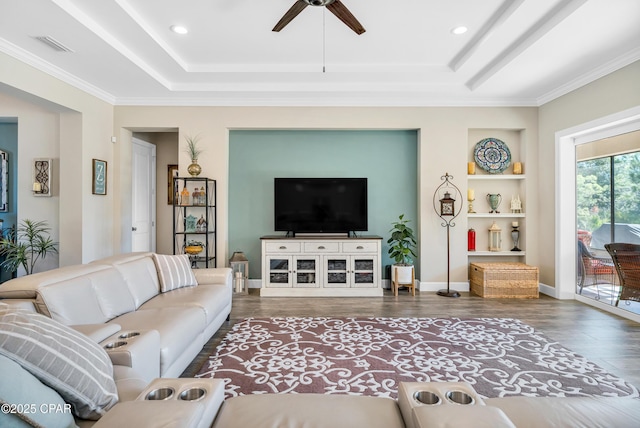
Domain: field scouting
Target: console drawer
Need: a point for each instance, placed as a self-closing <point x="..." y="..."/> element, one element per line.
<point x="321" y="247"/>
<point x="282" y="247"/>
<point x="359" y="247"/>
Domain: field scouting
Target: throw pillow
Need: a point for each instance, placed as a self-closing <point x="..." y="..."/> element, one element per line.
<point x="73" y="365"/>
<point x="28" y="402"/>
<point x="174" y="272"/>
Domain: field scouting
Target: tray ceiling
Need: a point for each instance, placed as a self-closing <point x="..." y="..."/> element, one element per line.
<point x="518" y="52"/>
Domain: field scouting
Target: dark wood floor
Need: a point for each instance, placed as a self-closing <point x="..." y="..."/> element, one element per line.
<point x="607" y="340"/>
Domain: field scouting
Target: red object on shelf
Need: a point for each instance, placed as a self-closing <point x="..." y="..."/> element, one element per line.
<point x="471" y="240"/>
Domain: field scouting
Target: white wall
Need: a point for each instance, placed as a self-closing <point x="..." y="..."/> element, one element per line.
<point x="613" y="93"/>
<point x="78" y="128"/>
<point x="38" y="136"/>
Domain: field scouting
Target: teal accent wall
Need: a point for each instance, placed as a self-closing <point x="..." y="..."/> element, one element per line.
<point x="387" y="158"/>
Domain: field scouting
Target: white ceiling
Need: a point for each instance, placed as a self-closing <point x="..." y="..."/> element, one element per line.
<point x="516" y="52"/>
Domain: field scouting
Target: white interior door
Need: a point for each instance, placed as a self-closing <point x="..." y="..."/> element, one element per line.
<point x="143" y="230"/>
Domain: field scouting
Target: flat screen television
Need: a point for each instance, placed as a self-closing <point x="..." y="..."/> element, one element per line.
<point x="320" y="205"/>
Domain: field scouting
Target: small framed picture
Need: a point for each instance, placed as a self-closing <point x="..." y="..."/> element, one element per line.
<point x="99" y="177"/>
<point x="172" y="173"/>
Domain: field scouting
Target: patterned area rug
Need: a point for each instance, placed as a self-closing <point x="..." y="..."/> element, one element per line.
<point x="370" y="356"/>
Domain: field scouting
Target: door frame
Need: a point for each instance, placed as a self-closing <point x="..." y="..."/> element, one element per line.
<point x="565" y="169"/>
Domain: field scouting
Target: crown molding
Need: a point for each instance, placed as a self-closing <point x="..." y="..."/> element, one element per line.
<point x="50" y="69"/>
<point x="593" y="75"/>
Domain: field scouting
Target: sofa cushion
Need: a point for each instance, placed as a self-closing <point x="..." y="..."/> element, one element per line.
<point x="212" y="299"/>
<point x="140" y="276"/>
<point x="174" y="272"/>
<point x="534" y="412"/>
<point x="25" y="287"/>
<point x="309" y="411"/>
<point x="31" y="400"/>
<point x="92" y="298"/>
<point x="129" y="383"/>
<point x="165" y="414"/>
<point x="72" y="364"/>
<point x="179" y="328"/>
<point x="97" y="332"/>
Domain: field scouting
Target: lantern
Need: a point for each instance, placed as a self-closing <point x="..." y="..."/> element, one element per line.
<point x="447" y="207"/>
<point x="495" y="237"/>
<point x="240" y="268"/>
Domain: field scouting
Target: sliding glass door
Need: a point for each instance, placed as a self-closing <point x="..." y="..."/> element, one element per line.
<point x="607" y="210"/>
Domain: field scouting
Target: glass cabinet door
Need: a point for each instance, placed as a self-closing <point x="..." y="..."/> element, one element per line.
<point x="306" y="272"/>
<point x="363" y="271"/>
<point x="336" y="272"/>
<point x="279" y="273"/>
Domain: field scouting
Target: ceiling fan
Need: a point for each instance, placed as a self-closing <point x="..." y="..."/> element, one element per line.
<point x="335" y="6"/>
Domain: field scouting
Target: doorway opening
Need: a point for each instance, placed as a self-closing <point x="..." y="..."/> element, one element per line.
<point x="165" y="144"/>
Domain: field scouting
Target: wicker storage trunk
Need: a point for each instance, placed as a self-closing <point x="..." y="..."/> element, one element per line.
<point x="504" y="280"/>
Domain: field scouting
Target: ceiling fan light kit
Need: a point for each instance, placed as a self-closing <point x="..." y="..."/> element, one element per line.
<point x="335" y="6"/>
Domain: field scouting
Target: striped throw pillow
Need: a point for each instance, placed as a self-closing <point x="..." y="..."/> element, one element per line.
<point x="174" y="272"/>
<point x="73" y="365"/>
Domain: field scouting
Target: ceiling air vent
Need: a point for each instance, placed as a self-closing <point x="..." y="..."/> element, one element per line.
<point x="53" y="43"/>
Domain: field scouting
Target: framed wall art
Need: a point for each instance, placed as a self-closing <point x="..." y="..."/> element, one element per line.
<point x="172" y="173"/>
<point x="4" y="181"/>
<point x="99" y="175"/>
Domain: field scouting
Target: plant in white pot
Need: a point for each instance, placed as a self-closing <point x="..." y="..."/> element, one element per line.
<point x="401" y="245"/>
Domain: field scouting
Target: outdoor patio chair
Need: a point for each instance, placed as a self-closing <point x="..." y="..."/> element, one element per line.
<point x="626" y="259"/>
<point x="593" y="270"/>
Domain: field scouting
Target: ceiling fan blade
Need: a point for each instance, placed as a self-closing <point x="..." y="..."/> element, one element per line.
<point x="343" y="14"/>
<point x="291" y="13"/>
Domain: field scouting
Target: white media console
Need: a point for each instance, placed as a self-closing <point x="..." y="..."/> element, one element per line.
<point x="321" y="266"/>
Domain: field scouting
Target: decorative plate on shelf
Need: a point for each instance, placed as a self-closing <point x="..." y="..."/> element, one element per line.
<point x="492" y="155"/>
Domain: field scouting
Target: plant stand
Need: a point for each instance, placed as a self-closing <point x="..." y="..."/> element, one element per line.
<point x="397" y="281"/>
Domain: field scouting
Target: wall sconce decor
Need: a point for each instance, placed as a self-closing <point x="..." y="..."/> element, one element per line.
<point x="444" y="204"/>
<point x="41" y="177"/>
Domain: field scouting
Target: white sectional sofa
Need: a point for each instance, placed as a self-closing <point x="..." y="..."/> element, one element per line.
<point x="151" y="314"/>
<point x="123" y="294"/>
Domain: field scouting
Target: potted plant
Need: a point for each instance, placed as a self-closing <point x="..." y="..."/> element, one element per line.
<point x="401" y="249"/>
<point x="193" y="151"/>
<point x="26" y="245"/>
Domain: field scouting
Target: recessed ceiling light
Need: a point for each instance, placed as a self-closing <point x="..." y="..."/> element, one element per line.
<point x="179" y="29"/>
<point x="459" y="30"/>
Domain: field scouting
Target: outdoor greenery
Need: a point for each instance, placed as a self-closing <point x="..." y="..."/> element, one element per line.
<point x="402" y="242"/>
<point x="593" y="184"/>
<point x="26" y="245"/>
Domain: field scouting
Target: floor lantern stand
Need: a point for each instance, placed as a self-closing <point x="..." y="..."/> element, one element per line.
<point x="444" y="204"/>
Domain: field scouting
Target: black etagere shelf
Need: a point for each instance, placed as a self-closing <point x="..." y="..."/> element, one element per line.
<point x="195" y="220"/>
